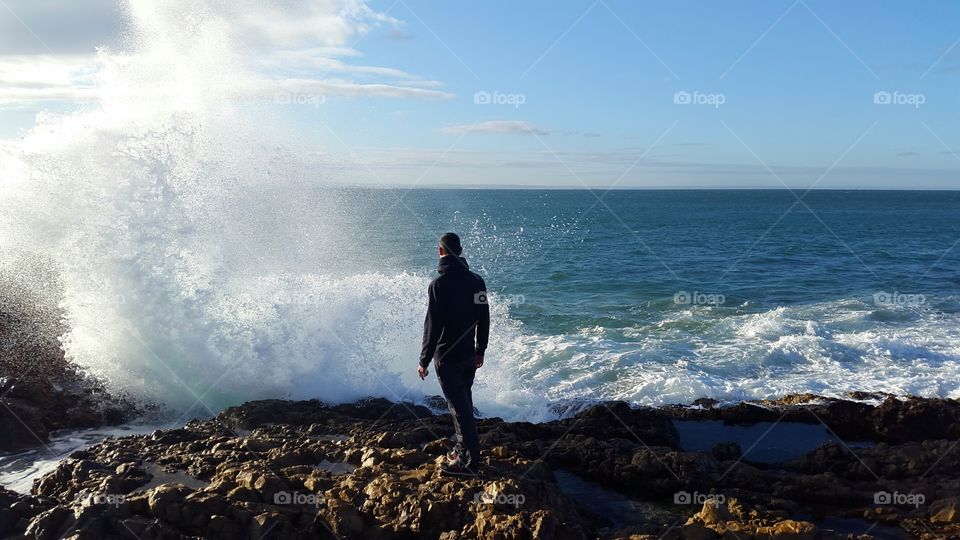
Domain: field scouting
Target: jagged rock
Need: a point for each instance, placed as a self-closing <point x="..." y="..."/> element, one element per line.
<point x="346" y="471"/>
<point x="40" y="390"/>
<point x="51" y="524"/>
<point x="799" y="530"/>
<point x="945" y="510"/>
<point x="166" y="502"/>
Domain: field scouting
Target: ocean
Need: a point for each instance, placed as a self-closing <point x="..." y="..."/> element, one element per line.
<point x="212" y="294"/>
<point x="665" y="296"/>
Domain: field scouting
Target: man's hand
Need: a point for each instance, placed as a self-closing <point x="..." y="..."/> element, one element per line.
<point x="422" y="371"/>
<point x="478" y="361"/>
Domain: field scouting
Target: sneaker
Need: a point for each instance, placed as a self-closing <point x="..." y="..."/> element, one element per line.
<point x="458" y="469"/>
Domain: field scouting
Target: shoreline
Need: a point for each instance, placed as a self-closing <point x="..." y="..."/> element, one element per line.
<point x="369" y="470"/>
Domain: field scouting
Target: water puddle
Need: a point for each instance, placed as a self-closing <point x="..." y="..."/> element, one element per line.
<point x="858" y="527"/>
<point x="764" y="442"/>
<point x="331" y="438"/>
<point x="336" y="468"/>
<point x="160" y="477"/>
<point x="622" y="511"/>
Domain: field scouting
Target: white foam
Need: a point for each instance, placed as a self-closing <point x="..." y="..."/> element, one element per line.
<point x="200" y="260"/>
<point x="829" y="348"/>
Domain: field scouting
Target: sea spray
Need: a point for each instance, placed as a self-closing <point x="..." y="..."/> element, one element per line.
<point x="200" y="257"/>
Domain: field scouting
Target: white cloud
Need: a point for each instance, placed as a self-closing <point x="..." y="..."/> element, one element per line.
<point x="266" y="88"/>
<point x="496" y="126"/>
<point x="254" y="24"/>
<point x="291" y="46"/>
<point x="31" y="78"/>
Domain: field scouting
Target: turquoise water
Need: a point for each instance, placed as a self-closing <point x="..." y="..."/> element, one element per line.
<point x="846" y="290"/>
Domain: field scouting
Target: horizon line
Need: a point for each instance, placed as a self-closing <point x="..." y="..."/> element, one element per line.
<point x="533" y="187"/>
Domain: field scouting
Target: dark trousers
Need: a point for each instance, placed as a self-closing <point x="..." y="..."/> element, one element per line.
<point x="456" y="380"/>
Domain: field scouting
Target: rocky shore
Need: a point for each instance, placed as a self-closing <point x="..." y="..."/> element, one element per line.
<point x="279" y="469"/>
<point x="40" y="391"/>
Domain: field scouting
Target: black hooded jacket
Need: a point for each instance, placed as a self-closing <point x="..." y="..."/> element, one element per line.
<point x="457" y="311"/>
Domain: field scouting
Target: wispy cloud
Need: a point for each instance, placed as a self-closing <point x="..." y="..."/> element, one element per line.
<point x="298" y="48"/>
<point x="34" y="77"/>
<point x="496" y="126"/>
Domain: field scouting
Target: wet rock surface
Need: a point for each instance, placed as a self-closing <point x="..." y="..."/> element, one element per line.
<point x="279" y="469"/>
<point x="41" y="392"/>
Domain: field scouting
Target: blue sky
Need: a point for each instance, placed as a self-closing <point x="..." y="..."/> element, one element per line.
<point x="665" y="94"/>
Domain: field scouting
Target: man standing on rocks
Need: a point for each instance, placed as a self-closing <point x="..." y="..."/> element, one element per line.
<point x="455" y="332"/>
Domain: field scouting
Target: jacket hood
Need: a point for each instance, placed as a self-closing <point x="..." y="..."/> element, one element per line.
<point x="452" y="263"/>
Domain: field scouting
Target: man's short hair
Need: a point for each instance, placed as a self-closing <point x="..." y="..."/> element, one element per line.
<point x="450" y="243"/>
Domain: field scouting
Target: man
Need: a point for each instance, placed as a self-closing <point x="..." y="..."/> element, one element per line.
<point x="457" y="313"/>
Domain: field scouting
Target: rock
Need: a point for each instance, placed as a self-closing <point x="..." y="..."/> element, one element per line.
<point x="344" y="520"/>
<point x="544" y="525"/>
<point x="712" y="513"/>
<point x="799" y="530"/>
<point x="8" y="520"/>
<point x="40" y="390"/>
<point x="693" y="531"/>
<point x="945" y="510"/>
<point x="51" y="524"/>
<point x="437" y="447"/>
<point x="166" y="502"/>
<point x="256" y="444"/>
<point x="705" y="403"/>
<point x="266" y="523"/>
<point x="22" y="426"/>
<point x="291" y="477"/>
